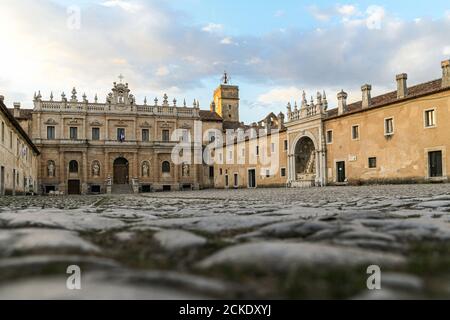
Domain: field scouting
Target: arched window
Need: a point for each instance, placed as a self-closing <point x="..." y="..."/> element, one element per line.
<point x="73" y="166"/>
<point x="166" y="167"/>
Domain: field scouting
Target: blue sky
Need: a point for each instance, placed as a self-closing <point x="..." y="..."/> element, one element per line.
<point x="273" y="49"/>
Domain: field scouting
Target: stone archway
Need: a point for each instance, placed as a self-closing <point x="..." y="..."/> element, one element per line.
<point x="121" y="171"/>
<point x="305" y="163"/>
<point x="305" y="160"/>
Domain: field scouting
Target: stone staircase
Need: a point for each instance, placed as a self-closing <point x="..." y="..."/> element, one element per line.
<point x="122" y="189"/>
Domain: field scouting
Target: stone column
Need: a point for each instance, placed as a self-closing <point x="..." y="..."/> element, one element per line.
<point x="84" y="185"/>
<point x="291" y="167"/>
<point x="62" y="169"/>
<point x="318" y="168"/>
<point x="136" y="166"/>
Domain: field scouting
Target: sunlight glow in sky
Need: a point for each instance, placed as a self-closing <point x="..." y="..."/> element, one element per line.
<point x="272" y="49"/>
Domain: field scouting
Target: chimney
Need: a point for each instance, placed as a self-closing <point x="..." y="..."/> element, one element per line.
<point x="366" y="97"/>
<point x="16" y="109"/>
<point x="402" y="88"/>
<point x="213" y="107"/>
<point x="342" y="102"/>
<point x="445" y="73"/>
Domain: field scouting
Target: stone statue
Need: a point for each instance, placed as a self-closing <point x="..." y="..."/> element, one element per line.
<point x="96" y="169"/>
<point x="145" y="169"/>
<point x="51" y="169"/>
<point x="185" y="170"/>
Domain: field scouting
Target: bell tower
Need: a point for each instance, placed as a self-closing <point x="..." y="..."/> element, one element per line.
<point x="226" y="100"/>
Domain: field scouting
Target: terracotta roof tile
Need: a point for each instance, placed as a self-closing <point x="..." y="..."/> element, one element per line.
<point x="206" y="115"/>
<point x="391" y="97"/>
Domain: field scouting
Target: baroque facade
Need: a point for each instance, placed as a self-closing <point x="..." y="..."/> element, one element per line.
<point x="116" y="146"/>
<point x="121" y="146"/>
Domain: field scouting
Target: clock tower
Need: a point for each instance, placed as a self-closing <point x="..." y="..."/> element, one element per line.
<point x="226" y="100"/>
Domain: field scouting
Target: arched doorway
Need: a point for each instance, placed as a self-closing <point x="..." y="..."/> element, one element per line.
<point x="121" y="171"/>
<point x="305" y="160"/>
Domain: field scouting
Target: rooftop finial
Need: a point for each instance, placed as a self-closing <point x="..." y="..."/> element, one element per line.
<point x="121" y="77"/>
<point x="225" y="78"/>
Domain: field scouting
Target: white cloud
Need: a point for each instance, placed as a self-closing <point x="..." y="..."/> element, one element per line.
<point x="375" y="16"/>
<point x="446" y="51"/>
<point x="320" y="14"/>
<point x="157" y="53"/>
<point x="162" y="71"/>
<point x="124" y="5"/>
<point x="347" y="10"/>
<point x="226" y="40"/>
<point x="212" y="27"/>
<point x="280" y="95"/>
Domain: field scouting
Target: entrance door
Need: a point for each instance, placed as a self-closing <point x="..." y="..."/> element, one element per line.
<point x="252" y="178"/>
<point x="340" y="169"/>
<point x="121" y="168"/>
<point x="435" y="164"/>
<point x="73" y="187"/>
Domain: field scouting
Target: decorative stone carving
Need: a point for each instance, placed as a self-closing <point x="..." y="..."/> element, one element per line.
<point x="96" y="169"/>
<point x="145" y="124"/>
<point x="186" y="170"/>
<point x="51" y="122"/>
<point x="145" y="169"/>
<point x="51" y="169"/>
<point x="96" y="123"/>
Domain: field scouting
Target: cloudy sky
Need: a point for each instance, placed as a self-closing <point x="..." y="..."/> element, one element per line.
<point x="272" y="49"/>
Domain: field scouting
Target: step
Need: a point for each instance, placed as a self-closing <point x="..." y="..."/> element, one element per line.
<point x="122" y="189"/>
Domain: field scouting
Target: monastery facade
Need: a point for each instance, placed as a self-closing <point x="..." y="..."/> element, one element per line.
<point x="76" y="146"/>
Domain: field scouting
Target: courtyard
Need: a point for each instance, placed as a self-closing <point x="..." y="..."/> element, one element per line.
<point x="230" y="244"/>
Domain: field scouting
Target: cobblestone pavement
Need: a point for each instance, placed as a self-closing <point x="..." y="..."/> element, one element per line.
<point x="263" y="243"/>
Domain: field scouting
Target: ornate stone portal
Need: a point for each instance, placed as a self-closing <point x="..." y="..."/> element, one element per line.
<point x="306" y="160"/>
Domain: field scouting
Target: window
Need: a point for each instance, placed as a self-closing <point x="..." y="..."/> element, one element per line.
<point x="211" y="172"/>
<point x="73" y="166"/>
<point x="355" y="132"/>
<point x="273" y="148"/>
<point x="267" y="173"/>
<point x="121" y="134"/>
<point x="10" y="140"/>
<point x="220" y="171"/>
<point x="145" y="135"/>
<point x="243" y="152"/>
<point x="73" y="133"/>
<point x="96" y="134"/>
<point x="236" y="180"/>
<point x="230" y="155"/>
<point x="166" y="135"/>
<point x="257" y="150"/>
<point x="372" y="162"/>
<point x="226" y="181"/>
<point x="283" y="172"/>
<point x="3" y="132"/>
<point x="330" y="136"/>
<point x="50" y="132"/>
<point x="166" y="167"/>
<point x="389" y="126"/>
<point x="429" y="118"/>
